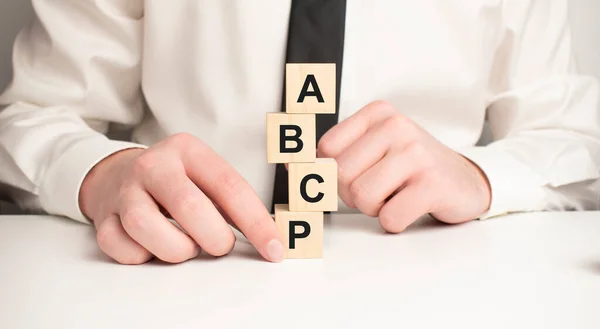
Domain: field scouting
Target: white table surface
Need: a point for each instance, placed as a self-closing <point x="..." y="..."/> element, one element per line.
<point x="522" y="271"/>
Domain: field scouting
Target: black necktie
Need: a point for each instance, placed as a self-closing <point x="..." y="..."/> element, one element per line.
<point x="315" y="35"/>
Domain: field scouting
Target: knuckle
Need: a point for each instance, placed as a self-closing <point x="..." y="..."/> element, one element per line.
<point x="125" y="190"/>
<point x="371" y="211"/>
<point x="346" y="198"/>
<point x="326" y="146"/>
<point x="186" y="203"/>
<point x="381" y="105"/>
<point x="231" y="184"/>
<point x="360" y="194"/>
<point x="344" y="179"/>
<point x="220" y="247"/>
<point x="399" y="121"/>
<point x="133" y="218"/>
<point x="175" y="257"/>
<point x="136" y="257"/>
<point x="418" y="152"/>
<point x="389" y="222"/>
<point x="177" y="253"/>
<point x="433" y="175"/>
<point x="428" y="162"/>
<point x="144" y="163"/>
<point x="180" y="139"/>
<point x="104" y="236"/>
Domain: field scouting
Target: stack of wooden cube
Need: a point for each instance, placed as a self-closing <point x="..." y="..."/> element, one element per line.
<point x="291" y="139"/>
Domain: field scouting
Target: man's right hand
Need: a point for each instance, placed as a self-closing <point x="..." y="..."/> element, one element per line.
<point x="127" y="195"/>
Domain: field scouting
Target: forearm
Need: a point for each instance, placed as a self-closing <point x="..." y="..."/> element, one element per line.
<point x="45" y="155"/>
<point x="540" y="170"/>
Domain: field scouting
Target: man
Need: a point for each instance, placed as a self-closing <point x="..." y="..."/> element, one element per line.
<point x="195" y="79"/>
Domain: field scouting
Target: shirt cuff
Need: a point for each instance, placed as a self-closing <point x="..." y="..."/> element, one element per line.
<point x="59" y="191"/>
<point x="515" y="186"/>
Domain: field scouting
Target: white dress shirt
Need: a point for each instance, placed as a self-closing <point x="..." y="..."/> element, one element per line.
<point x="214" y="68"/>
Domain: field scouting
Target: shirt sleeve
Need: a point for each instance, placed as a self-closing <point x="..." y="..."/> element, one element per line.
<point x="76" y="70"/>
<point x="543" y="116"/>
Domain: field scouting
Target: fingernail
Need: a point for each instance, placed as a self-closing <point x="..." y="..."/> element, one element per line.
<point x="275" y="250"/>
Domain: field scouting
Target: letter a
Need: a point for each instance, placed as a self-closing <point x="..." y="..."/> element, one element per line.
<point x="310" y="80"/>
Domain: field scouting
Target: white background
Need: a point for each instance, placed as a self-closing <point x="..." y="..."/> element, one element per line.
<point x="585" y="16"/>
<point x="14" y="14"/>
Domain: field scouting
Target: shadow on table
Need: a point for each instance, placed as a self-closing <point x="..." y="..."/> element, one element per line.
<point x="240" y="252"/>
<point x="592" y="267"/>
<point x="243" y="253"/>
<point x="362" y="223"/>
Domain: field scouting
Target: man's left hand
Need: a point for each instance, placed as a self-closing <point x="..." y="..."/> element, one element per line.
<point x="391" y="168"/>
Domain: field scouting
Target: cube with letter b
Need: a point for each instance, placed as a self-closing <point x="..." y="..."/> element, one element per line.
<point x="310" y="88"/>
<point x="291" y="138"/>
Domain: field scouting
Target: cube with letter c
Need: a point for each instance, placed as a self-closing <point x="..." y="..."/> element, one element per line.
<point x="313" y="186"/>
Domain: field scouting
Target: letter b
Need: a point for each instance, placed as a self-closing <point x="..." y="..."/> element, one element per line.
<point x="291" y="138"/>
<point x="284" y="137"/>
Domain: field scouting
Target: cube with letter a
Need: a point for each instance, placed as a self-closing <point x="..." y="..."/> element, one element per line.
<point x="310" y="88"/>
<point x="313" y="186"/>
<point x="302" y="232"/>
<point x="291" y="138"/>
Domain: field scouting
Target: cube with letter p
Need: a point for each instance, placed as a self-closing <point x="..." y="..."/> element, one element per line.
<point x="302" y="232"/>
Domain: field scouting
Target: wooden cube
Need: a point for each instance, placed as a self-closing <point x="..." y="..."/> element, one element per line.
<point x="291" y="138"/>
<point x="302" y="232"/>
<point x="313" y="186"/>
<point x="310" y="88"/>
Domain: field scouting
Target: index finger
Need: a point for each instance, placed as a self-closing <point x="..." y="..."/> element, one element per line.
<point x="234" y="195"/>
<point x="344" y="134"/>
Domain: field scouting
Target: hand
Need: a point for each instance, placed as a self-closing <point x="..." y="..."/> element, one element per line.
<point x="392" y="168"/>
<point x="128" y="194"/>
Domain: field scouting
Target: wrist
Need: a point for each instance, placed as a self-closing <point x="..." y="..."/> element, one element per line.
<point x="483" y="187"/>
